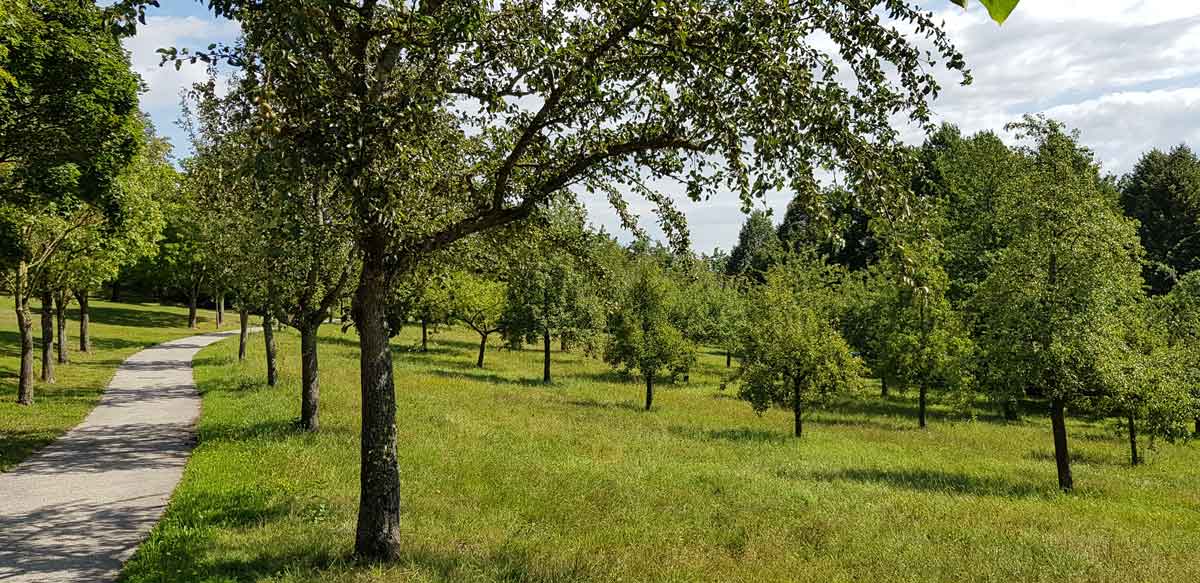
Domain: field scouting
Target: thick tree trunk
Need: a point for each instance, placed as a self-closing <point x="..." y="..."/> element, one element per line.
<point x="1062" y="457"/>
<point x="797" y="409"/>
<point x="883" y="390"/>
<point x="25" y="328"/>
<point x="60" y="321"/>
<point x="482" y="346"/>
<point x="85" y="317"/>
<point x="1133" y="452"/>
<point x="922" y="397"/>
<point x="47" y="337"/>
<point x="310" y="379"/>
<point x="728" y="359"/>
<point x="269" y="339"/>
<point x="192" y="299"/>
<point x="649" y="390"/>
<point x="377" y="534"/>
<point x="546" y="355"/>
<point x="424" y="335"/>
<point x="244" y="330"/>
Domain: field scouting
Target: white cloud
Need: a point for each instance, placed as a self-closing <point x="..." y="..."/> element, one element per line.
<point x="164" y="83"/>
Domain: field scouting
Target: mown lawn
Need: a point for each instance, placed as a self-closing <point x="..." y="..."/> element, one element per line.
<point x="117" y="331"/>
<point x="508" y="480"/>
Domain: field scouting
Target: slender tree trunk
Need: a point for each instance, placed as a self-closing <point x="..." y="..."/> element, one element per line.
<point x="649" y="390"/>
<point x="1197" y="429"/>
<point x="377" y="534"/>
<point x="244" y="330"/>
<point x="47" y="337"/>
<point x="883" y="390"/>
<point x="424" y="334"/>
<point x="1133" y="452"/>
<point x="192" y="299"/>
<point x="25" y="327"/>
<point x="220" y="309"/>
<point x="546" y="356"/>
<point x="728" y="358"/>
<point x="60" y="321"/>
<point x="482" y="346"/>
<point x="269" y="339"/>
<point x="1062" y="457"/>
<point x="85" y="338"/>
<point x="922" y="397"/>
<point x="116" y="291"/>
<point x="310" y="379"/>
<point x="797" y="409"/>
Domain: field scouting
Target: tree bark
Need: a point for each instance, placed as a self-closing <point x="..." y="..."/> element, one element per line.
<point x="25" y="328"/>
<point x="1133" y="452"/>
<point x="797" y="409"/>
<point x="424" y="334"/>
<point x="883" y="390"/>
<point x="47" y="337"/>
<point x="922" y="397"/>
<point x="220" y="309"/>
<point x="116" y="291"/>
<point x="269" y="339"/>
<point x="1197" y="429"/>
<point x="310" y="380"/>
<point x="728" y="359"/>
<point x="243" y="330"/>
<point x="192" y="299"/>
<point x="1062" y="457"/>
<point x="85" y="338"/>
<point x="377" y="533"/>
<point x="649" y="390"/>
<point x="60" y="321"/>
<point x="482" y="346"/>
<point x="546" y="356"/>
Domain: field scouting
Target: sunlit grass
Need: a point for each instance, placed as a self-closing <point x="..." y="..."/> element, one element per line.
<point x="505" y="479"/>
<point x="117" y="331"/>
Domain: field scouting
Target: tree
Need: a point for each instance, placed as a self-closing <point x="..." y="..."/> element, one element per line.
<point x="794" y="356"/>
<point x="560" y="94"/>
<point x="1163" y="194"/>
<point x="1055" y="294"/>
<point x="543" y="293"/>
<point x="1179" y="313"/>
<point x="69" y="128"/>
<point x="756" y="249"/>
<point x="644" y="339"/>
<point x="839" y="229"/>
<point x="480" y="304"/>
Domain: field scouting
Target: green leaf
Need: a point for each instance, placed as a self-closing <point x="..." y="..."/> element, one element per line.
<point x="998" y="9"/>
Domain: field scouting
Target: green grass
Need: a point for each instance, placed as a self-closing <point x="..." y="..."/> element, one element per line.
<point x="507" y="480"/>
<point x="117" y="331"/>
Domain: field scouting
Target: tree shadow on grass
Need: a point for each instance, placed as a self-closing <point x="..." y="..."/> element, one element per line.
<point x="737" y="435"/>
<point x="19" y="445"/>
<point x="482" y="376"/>
<point x="933" y="481"/>
<point x="504" y="564"/>
<point x="143" y="318"/>
<point x="1079" y="457"/>
<point x="611" y="405"/>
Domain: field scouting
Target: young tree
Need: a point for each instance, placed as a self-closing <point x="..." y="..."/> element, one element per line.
<point x="644" y="339"/>
<point x="1055" y="294"/>
<point x="479" y="303"/>
<point x="455" y="119"/>
<point x="794" y="356"/>
<point x="757" y="247"/>
<point x="1179" y="312"/>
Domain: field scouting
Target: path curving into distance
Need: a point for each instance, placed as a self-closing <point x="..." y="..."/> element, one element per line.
<point x="78" y="509"/>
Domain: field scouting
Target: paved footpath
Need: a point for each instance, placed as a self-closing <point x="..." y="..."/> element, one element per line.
<point x="77" y="509"/>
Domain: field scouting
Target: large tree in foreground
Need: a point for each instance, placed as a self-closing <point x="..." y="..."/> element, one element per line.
<point x="1055" y="295"/>
<point x="445" y="118"/>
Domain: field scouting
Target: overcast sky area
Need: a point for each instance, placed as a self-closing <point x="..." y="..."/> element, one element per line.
<point x="1125" y="73"/>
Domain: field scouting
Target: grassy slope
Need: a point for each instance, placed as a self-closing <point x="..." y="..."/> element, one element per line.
<point x="117" y="330"/>
<point x="507" y="480"/>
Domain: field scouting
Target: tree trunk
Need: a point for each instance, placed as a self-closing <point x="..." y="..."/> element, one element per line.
<point x="85" y="338"/>
<point x="1010" y="410"/>
<point x="192" y="299"/>
<point x="546" y="356"/>
<point x="922" y="397"/>
<point x="1133" y="452"/>
<point x="243" y="330"/>
<point x="1197" y="430"/>
<point x="482" y="347"/>
<point x="25" y="328"/>
<point x="269" y="339"/>
<point x="220" y="309"/>
<point x="47" y="337"/>
<point x="310" y="378"/>
<point x="116" y="291"/>
<point x="649" y="390"/>
<point x="377" y="534"/>
<point x="728" y="359"/>
<point x="60" y="321"/>
<point x="797" y="409"/>
<point x="1058" y="421"/>
<point x="883" y="390"/>
<point x="424" y="334"/>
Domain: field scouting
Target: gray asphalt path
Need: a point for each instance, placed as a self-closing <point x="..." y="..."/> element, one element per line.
<point x="76" y="510"/>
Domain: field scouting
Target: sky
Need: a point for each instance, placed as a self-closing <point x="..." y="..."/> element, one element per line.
<point x="1125" y="73"/>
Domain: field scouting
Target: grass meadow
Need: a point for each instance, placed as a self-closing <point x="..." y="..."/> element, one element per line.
<point x="505" y="479"/>
<point x="117" y="331"/>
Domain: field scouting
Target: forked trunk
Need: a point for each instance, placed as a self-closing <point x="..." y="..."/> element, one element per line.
<point x="60" y="321"/>
<point x="310" y="380"/>
<point x="1062" y="457"/>
<point x="243" y="331"/>
<point x="1133" y="452"/>
<point x="649" y="390"/>
<point x="85" y="317"/>
<point x="546" y="356"/>
<point x="47" y="338"/>
<point x="482" y="346"/>
<point x="25" y="328"/>
<point x="269" y="339"/>
<point x="377" y="533"/>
